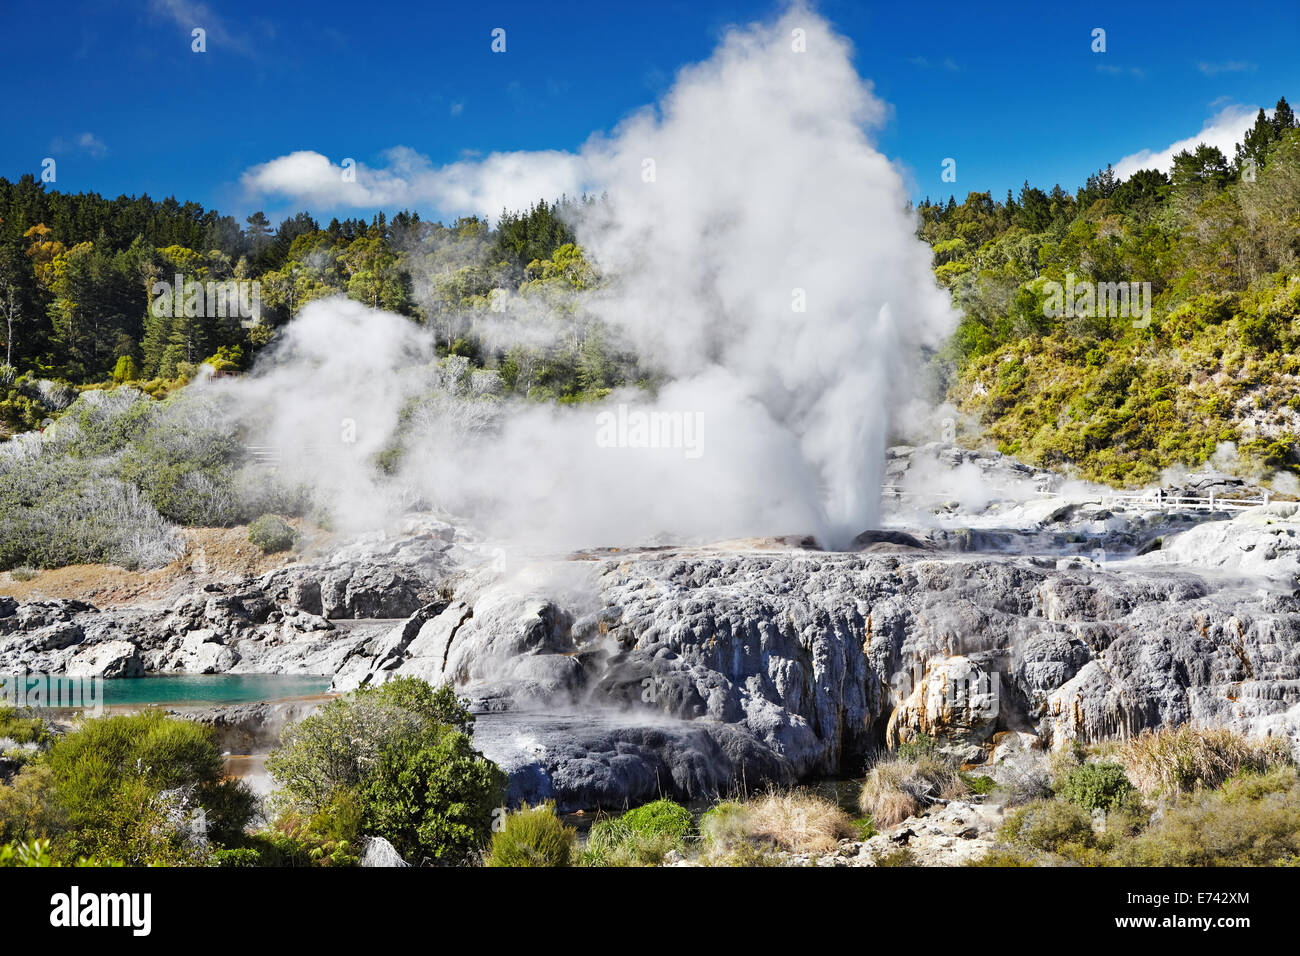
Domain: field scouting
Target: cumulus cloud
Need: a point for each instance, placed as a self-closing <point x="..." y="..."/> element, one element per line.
<point x="1224" y="129"/>
<point x="482" y="186"/>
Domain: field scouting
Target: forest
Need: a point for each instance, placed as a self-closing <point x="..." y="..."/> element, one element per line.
<point x="1216" y="240"/>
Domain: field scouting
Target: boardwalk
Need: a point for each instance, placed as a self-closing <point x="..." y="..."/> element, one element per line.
<point x="1143" y="501"/>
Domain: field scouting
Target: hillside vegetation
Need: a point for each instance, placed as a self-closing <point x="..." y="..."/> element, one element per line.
<point x="1112" y="393"/>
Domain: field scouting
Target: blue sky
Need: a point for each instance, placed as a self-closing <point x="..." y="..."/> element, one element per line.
<point x="1011" y="91"/>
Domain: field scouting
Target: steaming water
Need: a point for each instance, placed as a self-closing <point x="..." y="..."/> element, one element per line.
<point x="756" y="249"/>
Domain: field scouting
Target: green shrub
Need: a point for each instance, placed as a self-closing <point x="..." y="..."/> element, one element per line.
<point x="641" y="837"/>
<point x="335" y="747"/>
<point x="404" y="749"/>
<point x="922" y="745"/>
<point x="660" y="816"/>
<point x="866" y="828"/>
<point x="328" y="837"/>
<point x="1251" y="823"/>
<point x="433" y="799"/>
<point x="37" y="853"/>
<point x="978" y="784"/>
<point x="533" y="836"/>
<point x="611" y="843"/>
<point x="271" y="533"/>
<point x="244" y="856"/>
<point x="25" y="811"/>
<point x="22" y="729"/>
<point x="132" y="787"/>
<point x="1096" y="786"/>
<point x="1051" y="825"/>
<point x="125" y="370"/>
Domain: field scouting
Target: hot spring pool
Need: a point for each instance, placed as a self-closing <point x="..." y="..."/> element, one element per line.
<point x="177" y="689"/>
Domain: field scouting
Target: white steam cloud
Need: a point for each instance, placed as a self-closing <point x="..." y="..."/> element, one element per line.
<point x="756" y="247"/>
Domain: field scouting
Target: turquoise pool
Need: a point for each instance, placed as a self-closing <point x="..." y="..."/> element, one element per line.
<point x="175" y="689"/>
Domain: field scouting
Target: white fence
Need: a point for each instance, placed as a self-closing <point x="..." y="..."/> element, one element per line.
<point x="1150" y="501"/>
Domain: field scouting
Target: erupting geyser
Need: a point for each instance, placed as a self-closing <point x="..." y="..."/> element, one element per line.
<point x="755" y="247"/>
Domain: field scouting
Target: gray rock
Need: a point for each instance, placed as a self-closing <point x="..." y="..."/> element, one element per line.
<point x="109" y="659"/>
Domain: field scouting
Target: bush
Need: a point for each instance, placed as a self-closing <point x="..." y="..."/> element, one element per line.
<point x="334" y="748"/>
<point x="1186" y="758"/>
<point x="25" y="812"/>
<point x="37" y="853"/>
<point x="1027" y="786"/>
<point x="660" y="816"/>
<point x="898" y="789"/>
<point x="133" y="788"/>
<point x="271" y="533"/>
<point x="56" y="510"/>
<point x="328" y="837"/>
<point x="641" y="837"/>
<point x="1051" y="825"/>
<point x="1096" y="786"/>
<point x="404" y="749"/>
<point x="922" y="745"/>
<point x="534" y="836"/>
<point x="978" y="784"/>
<point x="433" y="799"/>
<point x="22" y="729"/>
<point x="1253" y="822"/>
<point x="236" y="857"/>
<point x="611" y="843"/>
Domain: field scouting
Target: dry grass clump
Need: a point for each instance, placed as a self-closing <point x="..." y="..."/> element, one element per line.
<point x="898" y="789"/>
<point x="798" y="822"/>
<point x="1186" y="758"/>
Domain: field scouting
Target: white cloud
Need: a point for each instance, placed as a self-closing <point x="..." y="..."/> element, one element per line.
<point x="1227" y="66"/>
<point x="1224" y="129"/>
<point x="1111" y="70"/>
<point x="86" y="142"/>
<point x="482" y="186"/>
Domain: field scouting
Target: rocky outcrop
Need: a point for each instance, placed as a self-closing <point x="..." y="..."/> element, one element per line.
<point x="611" y="677"/>
<point x="683" y="671"/>
<point x="261" y="625"/>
